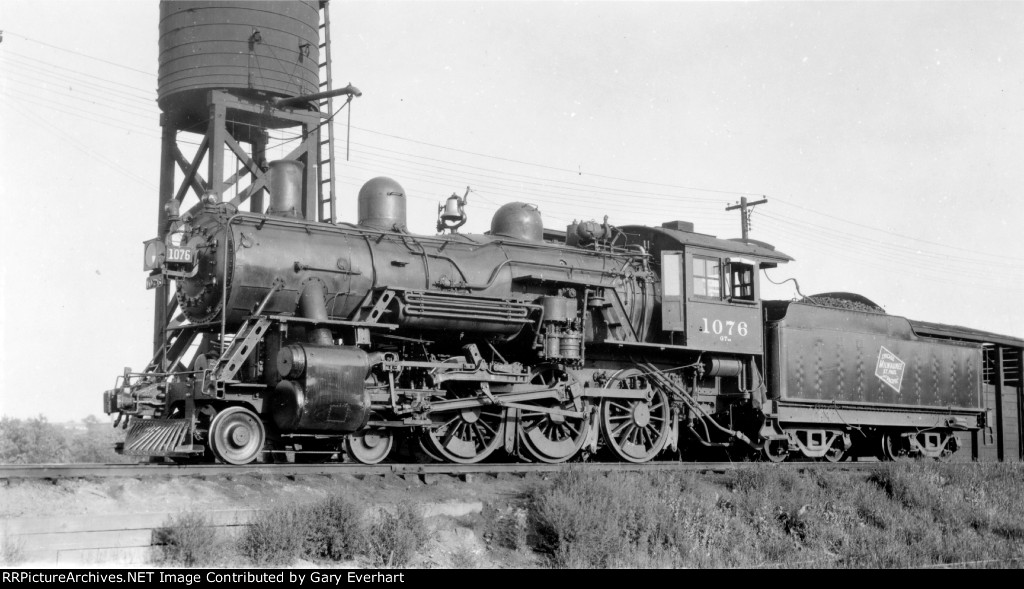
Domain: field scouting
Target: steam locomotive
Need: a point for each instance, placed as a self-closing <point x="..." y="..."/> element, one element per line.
<point x="633" y="343"/>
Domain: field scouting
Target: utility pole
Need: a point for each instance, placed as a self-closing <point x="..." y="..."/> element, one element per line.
<point x="743" y="206"/>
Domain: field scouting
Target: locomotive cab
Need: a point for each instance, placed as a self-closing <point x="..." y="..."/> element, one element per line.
<point x="710" y="288"/>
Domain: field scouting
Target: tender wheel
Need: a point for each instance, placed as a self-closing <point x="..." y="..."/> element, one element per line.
<point x="835" y="452"/>
<point x="635" y="430"/>
<point x="369" y="446"/>
<point x="466" y="436"/>
<point x="236" y="435"/>
<point x="894" y="447"/>
<point x="775" y="451"/>
<point x="951" y="447"/>
<point x="552" y="438"/>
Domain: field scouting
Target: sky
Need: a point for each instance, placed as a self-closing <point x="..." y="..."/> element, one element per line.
<point x="887" y="138"/>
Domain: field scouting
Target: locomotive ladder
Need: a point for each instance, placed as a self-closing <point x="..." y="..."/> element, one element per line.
<point x="241" y="347"/>
<point x="245" y="340"/>
<point x="326" y="210"/>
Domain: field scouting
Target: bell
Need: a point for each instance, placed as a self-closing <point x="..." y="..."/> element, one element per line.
<point x="451" y="209"/>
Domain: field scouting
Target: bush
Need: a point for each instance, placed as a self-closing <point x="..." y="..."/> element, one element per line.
<point x="393" y="539"/>
<point x="507" y="527"/>
<point x="329" y="529"/>
<point x="186" y="540"/>
<point x="588" y="520"/>
<point x="275" y="537"/>
<point x="335" y="529"/>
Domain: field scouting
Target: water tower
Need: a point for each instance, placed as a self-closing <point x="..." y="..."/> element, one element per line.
<point x="229" y="73"/>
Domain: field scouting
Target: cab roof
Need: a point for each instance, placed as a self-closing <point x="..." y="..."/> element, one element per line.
<point x="665" y="238"/>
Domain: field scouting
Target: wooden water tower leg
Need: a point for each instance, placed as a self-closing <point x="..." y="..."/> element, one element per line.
<point x="217" y="132"/>
<point x="168" y="144"/>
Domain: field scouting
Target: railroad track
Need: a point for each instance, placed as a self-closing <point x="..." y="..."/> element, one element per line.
<point x="66" y="471"/>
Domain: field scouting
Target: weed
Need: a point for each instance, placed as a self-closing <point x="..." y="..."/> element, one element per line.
<point x="393" y="539"/>
<point x="274" y="537"/>
<point x="900" y="515"/>
<point x="464" y="559"/>
<point x="187" y="539"/>
<point x="334" y="529"/>
<point x="585" y="521"/>
<point x="507" y="527"/>
<point x="331" y="529"/>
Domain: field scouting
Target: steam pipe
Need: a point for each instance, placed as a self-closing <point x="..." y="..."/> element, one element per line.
<point x="349" y="90"/>
<point x="312" y="306"/>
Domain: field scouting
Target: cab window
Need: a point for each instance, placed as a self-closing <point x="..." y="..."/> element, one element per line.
<point x="707" y="277"/>
<point x="741" y="281"/>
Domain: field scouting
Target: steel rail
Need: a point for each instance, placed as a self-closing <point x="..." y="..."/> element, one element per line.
<point x="64" y="471"/>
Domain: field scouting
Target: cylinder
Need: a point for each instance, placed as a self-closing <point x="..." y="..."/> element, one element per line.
<point x="286" y="188"/>
<point x="382" y="205"/>
<point x="331" y="394"/>
<point x="518" y="220"/>
<point x="257" y="50"/>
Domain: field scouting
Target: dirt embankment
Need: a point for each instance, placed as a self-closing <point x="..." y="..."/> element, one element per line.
<point x="457" y="511"/>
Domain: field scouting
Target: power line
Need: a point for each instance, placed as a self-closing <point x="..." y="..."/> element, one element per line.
<point x="539" y="182"/>
<point x="889" y="248"/>
<point x="78" y="53"/>
<point x="553" y="167"/>
<point x="552" y="207"/>
<point x="651" y="195"/>
<point x="89" y="116"/>
<point x="81" y="94"/>
<point x="148" y="92"/>
<point x="719" y="191"/>
<point x="517" y="186"/>
<point x="92" y="154"/>
<point x="783" y="201"/>
<point x="943" y="273"/>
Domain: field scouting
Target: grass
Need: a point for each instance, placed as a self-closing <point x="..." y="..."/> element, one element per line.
<point x="899" y="515"/>
<point x="917" y="514"/>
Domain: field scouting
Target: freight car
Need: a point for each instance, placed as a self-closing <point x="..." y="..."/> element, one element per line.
<point x="632" y="342"/>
